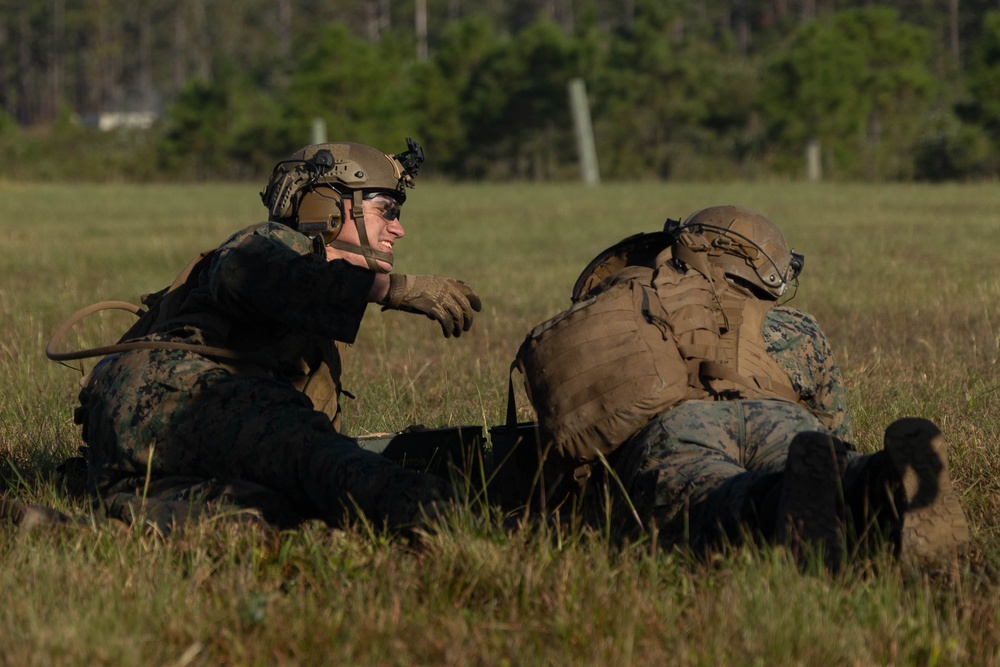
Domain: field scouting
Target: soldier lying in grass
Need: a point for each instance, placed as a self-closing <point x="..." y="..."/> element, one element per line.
<point x="721" y="414"/>
<point x="225" y="393"/>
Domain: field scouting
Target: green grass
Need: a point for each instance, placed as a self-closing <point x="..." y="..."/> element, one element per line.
<point x="902" y="277"/>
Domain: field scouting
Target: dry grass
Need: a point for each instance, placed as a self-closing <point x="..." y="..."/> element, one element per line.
<point x="901" y="277"/>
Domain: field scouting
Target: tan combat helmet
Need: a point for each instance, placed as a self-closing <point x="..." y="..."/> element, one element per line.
<point x="307" y="191"/>
<point x="748" y="247"/>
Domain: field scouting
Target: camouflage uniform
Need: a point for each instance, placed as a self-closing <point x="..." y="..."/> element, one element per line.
<point x="259" y="432"/>
<point x="708" y="471"/>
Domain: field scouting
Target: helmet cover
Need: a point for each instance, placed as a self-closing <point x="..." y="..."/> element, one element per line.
<point x="748" y="247"/>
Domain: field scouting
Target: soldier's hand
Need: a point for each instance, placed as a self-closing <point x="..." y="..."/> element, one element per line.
<point x="451" y="302"/>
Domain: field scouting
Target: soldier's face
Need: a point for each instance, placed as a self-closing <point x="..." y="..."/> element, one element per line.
<point x="382" y="226"/>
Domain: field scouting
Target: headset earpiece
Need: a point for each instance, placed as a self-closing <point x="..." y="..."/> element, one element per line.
<point x="321" y="212"/>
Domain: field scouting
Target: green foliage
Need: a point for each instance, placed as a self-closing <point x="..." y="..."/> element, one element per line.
<point x="8" y="125"/>
<point x="71" y="152"/>
<point x="516" y="113"/>
<point x="438" y="91"/>
<point x="984" y="75"/>
<point x="669" y="109"/>
<point x="642" y="97"/>
<point x="679" y="90"/>
<point x="358" y="88"/>
<point x="949" y="149"/>
<point x="261" y="133"/>
<point x="859" y="82"/>
<point x="195" y="135"/>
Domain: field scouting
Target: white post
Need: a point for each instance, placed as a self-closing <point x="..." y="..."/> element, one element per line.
<point x="420" y="19"/>
<point x="814" y="167"/>
<point x="318" y="131"/>
<point x="580" y="110"/>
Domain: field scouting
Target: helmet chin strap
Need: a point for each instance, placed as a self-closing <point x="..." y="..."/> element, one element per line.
<point x="365" y="249"/>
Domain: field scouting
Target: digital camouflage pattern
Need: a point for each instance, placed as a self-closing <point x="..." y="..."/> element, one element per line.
<point x="795" y="340"/>
<point x="243" y="434"/>
<point x="707" y="468"/>
<point x="708" y="471"/>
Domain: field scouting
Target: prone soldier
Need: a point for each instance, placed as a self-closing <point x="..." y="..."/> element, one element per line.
<point x="768" y="449"/>
<point x="722" y="414"/>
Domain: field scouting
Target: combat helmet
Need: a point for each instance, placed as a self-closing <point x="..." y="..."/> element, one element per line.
<point x="307" y="191"/>
<point x="748" y="248"/>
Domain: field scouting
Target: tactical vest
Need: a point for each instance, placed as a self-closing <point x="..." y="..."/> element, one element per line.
<point x="318" y="375"/>
<point x="718" y="327"/>
<point x="647" y="331"/>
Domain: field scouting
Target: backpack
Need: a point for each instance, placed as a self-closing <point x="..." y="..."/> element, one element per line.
<point x="653" y="324"/>
<point x="599" y="371"/>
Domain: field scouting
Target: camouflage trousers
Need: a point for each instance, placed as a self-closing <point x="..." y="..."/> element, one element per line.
<point x="173" y="430"/>
<point x="710" y="472"/>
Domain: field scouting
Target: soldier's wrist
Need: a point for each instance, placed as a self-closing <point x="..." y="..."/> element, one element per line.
<point x="395" y="290"/>
<point x="380" y="289"/>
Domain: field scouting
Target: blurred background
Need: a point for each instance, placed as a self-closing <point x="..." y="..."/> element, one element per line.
<point x="703" y="90"/>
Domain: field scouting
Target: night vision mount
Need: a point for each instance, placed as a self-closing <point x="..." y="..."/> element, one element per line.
<point x="411" y="159"/>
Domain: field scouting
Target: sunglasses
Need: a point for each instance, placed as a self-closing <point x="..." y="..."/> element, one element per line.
<point x="388" y="208"/>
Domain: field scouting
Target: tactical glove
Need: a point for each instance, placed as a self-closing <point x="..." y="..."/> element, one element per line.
<point x="446" y="300"/>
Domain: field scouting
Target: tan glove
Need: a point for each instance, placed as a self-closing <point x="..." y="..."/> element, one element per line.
<point x="446" y="300"/>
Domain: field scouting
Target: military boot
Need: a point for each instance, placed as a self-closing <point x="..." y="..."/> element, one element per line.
<point x="28" y="516"/>
<point x="932" y="530"/>
<point x="810" y="518"/>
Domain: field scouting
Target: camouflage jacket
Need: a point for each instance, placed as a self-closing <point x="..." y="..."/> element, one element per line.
<point x="795" y="340"/>
<point x="266" y="294"/>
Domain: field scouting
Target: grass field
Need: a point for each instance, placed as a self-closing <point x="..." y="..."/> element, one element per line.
<point x="902" y="277"/>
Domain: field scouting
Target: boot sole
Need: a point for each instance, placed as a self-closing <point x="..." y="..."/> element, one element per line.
<point x="934" y="530"/>
<point x="809" y="514"/>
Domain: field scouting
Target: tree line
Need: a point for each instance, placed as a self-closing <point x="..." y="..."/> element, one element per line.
<point x="685" y="89"/>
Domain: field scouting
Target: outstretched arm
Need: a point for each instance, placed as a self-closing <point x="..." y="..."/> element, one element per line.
<point x="451" y="302"/>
